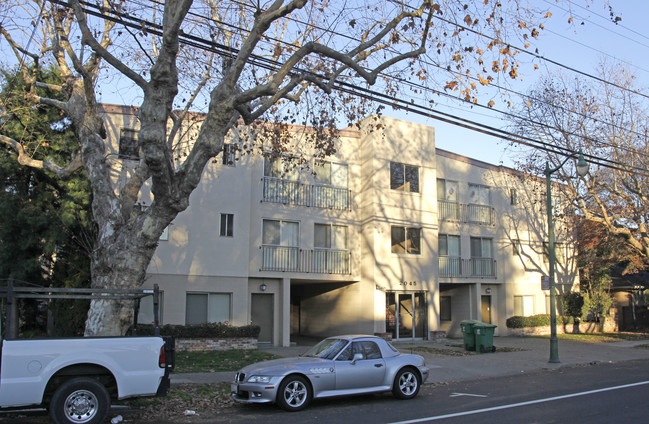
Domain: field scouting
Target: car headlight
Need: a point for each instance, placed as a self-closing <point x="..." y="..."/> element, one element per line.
<point x="259" y="379"/>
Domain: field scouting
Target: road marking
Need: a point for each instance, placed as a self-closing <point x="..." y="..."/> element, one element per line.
<point x="466" y="394"/>
<point x="516" y="405"/>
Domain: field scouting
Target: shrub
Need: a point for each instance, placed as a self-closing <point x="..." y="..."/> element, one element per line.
<point x="530" y="321"/>
<point x="200" y="331"/>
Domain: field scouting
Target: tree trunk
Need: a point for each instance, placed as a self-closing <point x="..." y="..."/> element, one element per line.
<point x="119" y="262"/>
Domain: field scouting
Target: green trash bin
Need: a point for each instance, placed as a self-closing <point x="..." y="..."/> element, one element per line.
<point x="484" y="337"/>
<point x="467" y="332"/>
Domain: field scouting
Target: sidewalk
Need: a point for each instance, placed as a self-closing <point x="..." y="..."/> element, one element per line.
<point x="514" y="355"/>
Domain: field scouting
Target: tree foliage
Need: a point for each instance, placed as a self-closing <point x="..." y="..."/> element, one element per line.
<point x="46" y="231"/>
<point x="238" y="63"/>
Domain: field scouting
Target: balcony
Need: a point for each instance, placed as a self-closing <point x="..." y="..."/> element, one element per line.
<point x="470" y="213"/>
<point x="289" y="192"/>
<point x="294" y="259"/>
<point x="467" y="268"/>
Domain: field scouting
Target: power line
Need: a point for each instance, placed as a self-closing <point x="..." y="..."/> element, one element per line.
<point x="266" y="63"/>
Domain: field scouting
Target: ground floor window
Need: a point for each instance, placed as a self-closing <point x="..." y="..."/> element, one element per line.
<point x="445" y="308"/>
<point x="523" y="306"/>
<point x="202" y="308"/>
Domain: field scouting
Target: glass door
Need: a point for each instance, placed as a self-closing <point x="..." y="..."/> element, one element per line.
<point x="406" y="315"/>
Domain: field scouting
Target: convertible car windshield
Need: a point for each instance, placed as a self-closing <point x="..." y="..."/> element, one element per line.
<point x="326" y="349"/>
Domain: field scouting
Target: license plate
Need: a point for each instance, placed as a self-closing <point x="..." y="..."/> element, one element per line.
<point x="234" y="388"/>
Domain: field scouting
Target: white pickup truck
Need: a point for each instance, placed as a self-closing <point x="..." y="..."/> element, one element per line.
<point x="76" y="378"/>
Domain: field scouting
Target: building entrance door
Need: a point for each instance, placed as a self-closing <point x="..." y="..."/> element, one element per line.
<point x="406" y="315"/>
<point x="486" y="309"/>
<point x="261" y="314"/>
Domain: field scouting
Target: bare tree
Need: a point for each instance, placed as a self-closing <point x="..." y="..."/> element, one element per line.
<point x="237" y="62"/>
<point x="606" y="121"/>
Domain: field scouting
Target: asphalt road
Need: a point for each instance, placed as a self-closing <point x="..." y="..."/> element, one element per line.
<point x="599" y="393"/>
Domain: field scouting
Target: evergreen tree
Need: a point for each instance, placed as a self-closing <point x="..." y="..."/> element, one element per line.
<point x="46" y="229"/>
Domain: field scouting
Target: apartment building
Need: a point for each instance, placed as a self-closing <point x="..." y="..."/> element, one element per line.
<point x="387" y="235"/>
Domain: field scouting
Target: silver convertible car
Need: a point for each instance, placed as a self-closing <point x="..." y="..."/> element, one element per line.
<point x="345" y="365"/>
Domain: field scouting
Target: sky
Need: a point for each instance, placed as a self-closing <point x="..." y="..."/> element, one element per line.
<point x="580" y="47"/>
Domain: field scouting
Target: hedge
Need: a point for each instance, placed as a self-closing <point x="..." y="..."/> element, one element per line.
<point x="209" y="330"/>
<point x="535" y="321"/>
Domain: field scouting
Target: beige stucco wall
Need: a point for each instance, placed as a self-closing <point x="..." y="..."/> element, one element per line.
<point x="195" y="258"/>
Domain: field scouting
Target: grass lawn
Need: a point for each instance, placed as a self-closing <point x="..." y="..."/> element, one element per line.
<point x="212" y="361"/>
<point x="602" y="337"/>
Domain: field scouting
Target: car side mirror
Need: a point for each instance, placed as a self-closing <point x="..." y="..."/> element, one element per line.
<point x="357" y="357"/>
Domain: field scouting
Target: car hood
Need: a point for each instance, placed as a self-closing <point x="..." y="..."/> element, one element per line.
<point x="282" y="366"/>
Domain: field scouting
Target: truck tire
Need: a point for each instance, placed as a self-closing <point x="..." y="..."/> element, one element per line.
<point x="80" y="400"/>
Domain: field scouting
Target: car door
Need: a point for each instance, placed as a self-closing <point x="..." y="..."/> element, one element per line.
<point x="364" y="373"/>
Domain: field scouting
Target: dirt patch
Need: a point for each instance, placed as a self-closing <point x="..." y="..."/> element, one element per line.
<point x="184" y="403"/>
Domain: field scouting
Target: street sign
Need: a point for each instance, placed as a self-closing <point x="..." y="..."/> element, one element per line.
<point x="545" y="282"/>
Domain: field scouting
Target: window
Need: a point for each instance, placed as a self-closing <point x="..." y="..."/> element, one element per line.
<point x="450" y="262"/>
<point x="481" y="247"/>
<point x="479" y="210"/>
<point x="281" y="180"/>
<point x="201" y="308"/>
<point x="229" y="154"/>
<point x="513" y="197"/>
<point x="330" y="173"/>
<point x="482" y="264"/>
<point x="330" y="248"/>
<point x="327" y="236"/>
<point x="227" y="225"/>
<point x="479" y="194"/>
<point x="523" y="306"/>
<point x="369" y="350"/>
<point x="517" y="248"/>
<point x="280" y="244"/>
<point x="282" y="167"/>
<point x="280" y="233"/>
<point x="445" y="308"/>
<point x="331" y="182"/>
<point x="129" y="147"/>
<point x="406" y="240"/>
<point x="447" y="190"/>
<point x="404" y="177"/>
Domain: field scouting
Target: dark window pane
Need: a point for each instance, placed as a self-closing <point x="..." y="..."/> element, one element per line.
<point x="196" y="309"/>
<point x="445" y="308"/>
<point x="129" y="147"/>
<point x="412" y="179"/>
<point x="442" y="245"/>
<point x="398" y="239"/>
<point x="414" y="241"/>
<point x="396" y="176"/>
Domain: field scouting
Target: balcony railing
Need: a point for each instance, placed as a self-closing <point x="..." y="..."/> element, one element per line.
<point x="471" y="213"/>
<point x="466" y="268"/>
<point x="277" y="190"/>
<point x="321" y="261"/>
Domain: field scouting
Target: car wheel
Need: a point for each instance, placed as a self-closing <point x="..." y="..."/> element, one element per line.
<point x="80" y="400"/>
<point x="406" y="384"/>
<point x="294" y="394"/>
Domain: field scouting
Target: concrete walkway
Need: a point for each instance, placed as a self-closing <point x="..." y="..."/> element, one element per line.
<point x="449" y="362"/>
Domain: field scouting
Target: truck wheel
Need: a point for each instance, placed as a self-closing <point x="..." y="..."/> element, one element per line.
<point x="80" y="400"/>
